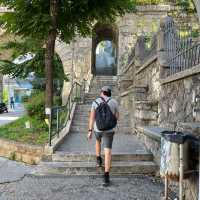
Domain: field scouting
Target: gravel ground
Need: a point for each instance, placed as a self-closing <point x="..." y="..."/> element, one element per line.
<point x="84" y="188"/>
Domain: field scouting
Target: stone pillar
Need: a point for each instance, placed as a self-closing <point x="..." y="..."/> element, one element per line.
<point x="139" y="50"/>
<point x="161" y="51"/>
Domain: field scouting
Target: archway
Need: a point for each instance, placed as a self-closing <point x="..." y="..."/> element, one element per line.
<point x="104" y="50"/>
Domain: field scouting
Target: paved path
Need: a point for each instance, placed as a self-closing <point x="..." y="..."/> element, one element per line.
<point x="13" y="171"/>
<point x="82" y="188"/>
<point x="12" y="115"/>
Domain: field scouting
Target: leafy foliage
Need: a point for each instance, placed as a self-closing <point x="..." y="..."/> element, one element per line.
<point x="186" y="5"/>
<point x="46" y="20"/>
<point x="32" y="18"/>
<point x="35" y="65"/>
<point x="35" y="105"/>
<point x="5" y="96"/>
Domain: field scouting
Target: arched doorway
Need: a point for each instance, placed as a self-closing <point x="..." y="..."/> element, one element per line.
<point x="104" y="50"/>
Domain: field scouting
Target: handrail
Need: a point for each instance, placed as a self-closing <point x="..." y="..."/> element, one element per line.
<point x="60" y="115"/>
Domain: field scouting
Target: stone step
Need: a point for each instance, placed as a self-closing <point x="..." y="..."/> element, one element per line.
<point x="60" y="156"/>
<point x="84" y="124"/>
<point x="95" y="96"/>
<point x="104" y="82"/>
<point x="85" y="114"/>
<point x="83" y="111"/>
<point x="115" y="93"/>
<point x="87" y="109"/>
<point x="114" y="78"/>
<point x="88" y="168"/>
<point x="81" y="121"/>
<point x="82" y="130"/>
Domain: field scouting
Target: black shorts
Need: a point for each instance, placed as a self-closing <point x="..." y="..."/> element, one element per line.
<point x="107" y="138"/>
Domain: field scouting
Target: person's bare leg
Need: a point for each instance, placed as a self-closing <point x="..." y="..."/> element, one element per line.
<point x="107" y="152"/>
<point x="98" y="148"/>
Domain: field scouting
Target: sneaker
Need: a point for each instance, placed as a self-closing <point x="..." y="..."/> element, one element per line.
<point x="99" y="161"/>
<point x="106" y="179"/>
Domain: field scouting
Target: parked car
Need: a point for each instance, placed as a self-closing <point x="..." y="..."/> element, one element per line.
<point x="3" y="108"/>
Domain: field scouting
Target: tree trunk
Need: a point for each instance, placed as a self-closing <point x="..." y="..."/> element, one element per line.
<point x="49" y="53"/>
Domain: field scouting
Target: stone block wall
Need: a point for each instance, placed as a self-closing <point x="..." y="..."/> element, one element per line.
<point x="149" y="76"/>
<point x="177" y="100"/>
<point x="30" y="154"/>
<point x="76" y="59"/>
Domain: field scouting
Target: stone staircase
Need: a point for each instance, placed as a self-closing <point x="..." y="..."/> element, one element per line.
<point x="76" y="156"/>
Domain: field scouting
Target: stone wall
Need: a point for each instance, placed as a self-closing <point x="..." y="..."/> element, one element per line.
<point x="149" y="75"/>
<point x="133" y="25"/>
<point x="177" y="101"/>
<point x="76" y="59"/>
<point x="142" y="93"/>
<point x="171" y="102"/>
<point x="30" y="154"/>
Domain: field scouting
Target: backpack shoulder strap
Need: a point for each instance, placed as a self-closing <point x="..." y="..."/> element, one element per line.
<point x="108" y="100"/>
<point x="105" y="100"/>
<point x="97" y="102"/>
<point x="102" y="99"/>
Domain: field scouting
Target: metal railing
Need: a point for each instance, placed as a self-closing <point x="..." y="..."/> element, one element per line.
<point x="185" y="59"/>
<point x="181" y="52"/>
<point x="61" y="115"/>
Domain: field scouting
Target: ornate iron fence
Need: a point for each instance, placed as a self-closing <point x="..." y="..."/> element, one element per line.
<point x="181" y="52"/>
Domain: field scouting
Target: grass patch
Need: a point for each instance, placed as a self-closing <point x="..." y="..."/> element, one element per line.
<point x="17" y="131"/>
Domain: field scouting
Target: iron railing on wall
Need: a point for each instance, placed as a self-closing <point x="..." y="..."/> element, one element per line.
<point x="181" y="52"/>
<point x="185" y="59"/>
<point x="61" y="115"/>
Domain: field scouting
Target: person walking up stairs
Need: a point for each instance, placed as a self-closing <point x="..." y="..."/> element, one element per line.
<point x="102" y="120"/>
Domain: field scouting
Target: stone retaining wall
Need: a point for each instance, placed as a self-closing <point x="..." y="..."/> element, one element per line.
<point x="30" y="154"/>
<point x="178" y="104"/>
<point x="152" y="145"/>
<point x="179" y="99"/>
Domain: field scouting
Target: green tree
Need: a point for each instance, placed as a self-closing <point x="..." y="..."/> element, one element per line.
<point x="48" y="19"/>
<point x="36" y="65"/>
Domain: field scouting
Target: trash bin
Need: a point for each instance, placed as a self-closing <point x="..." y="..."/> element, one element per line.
<point x="170" y="154"/>
<point x="174" y="158"/>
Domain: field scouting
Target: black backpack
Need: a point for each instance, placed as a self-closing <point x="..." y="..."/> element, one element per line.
<point x="105" y="119"/>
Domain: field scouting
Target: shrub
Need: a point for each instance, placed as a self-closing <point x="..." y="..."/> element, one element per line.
<point x="25" y="98"/>
<point x="5" y="96"/>
<point x="36" y="105"/>
<point x="57" y="101"/>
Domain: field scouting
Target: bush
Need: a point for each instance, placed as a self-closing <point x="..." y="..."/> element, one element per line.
<point x="5" y="96"/>
<point x="25" y="99"/>
<point x="36" y="105"/>
<point x="57" y="101"/>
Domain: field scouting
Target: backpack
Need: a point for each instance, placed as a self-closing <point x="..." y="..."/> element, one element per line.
<point x="105" y="119"/>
